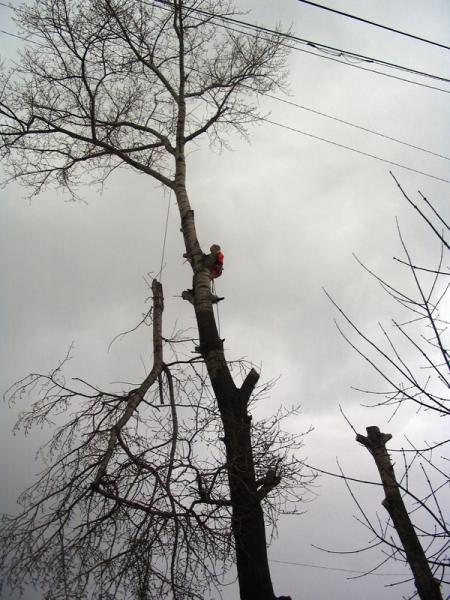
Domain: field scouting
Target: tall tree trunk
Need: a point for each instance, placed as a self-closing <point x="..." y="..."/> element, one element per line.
<point x="247" y="514"/>
<point x="427" y="586"/>
<point x="248" y="519"/>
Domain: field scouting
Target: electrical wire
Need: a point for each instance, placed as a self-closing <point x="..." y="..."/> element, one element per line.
<point x="367" y="154"/>
<point x="313" y="566"/>
<point x="346" y="63"/>
<point x="334" y="59"/>
<point x="319" y="46"/>
<point x="297" y="49"/>
<point x="362" y="20"/>
<point x="387" y="161"/>
<point x="382" y="135"/>
<point x="20" y="37"/>
<point x="16" y="36"/>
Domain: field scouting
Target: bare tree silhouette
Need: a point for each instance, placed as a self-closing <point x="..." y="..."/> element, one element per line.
<point x="414" y="366"/>
<point x="129" y="504"/>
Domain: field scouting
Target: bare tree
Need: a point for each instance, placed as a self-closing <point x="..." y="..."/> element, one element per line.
<point x="134" y="498"/>
<point x="107" y="84"/>
<point x="414" y="364"/>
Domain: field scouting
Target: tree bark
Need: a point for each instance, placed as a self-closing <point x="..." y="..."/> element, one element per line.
<point x="427" y="586"/>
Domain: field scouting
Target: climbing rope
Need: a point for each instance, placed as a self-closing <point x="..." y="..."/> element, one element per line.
<point x="216" y="305"/>
<point x="163" y="251"/>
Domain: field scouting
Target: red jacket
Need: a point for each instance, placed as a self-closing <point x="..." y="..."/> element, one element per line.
<point x="217" y="268"/>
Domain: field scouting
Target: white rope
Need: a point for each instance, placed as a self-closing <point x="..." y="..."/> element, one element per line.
<point x="164" y="240"/>
<point x="217" y="305"/>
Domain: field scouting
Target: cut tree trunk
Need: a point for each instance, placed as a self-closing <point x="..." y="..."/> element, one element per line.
<point x="427" y="586"/>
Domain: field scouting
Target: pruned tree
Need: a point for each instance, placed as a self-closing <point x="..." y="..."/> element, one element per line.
<point x="414" y="364"/>
<point x="426" y="584"/>
<point x="108" y="84"/>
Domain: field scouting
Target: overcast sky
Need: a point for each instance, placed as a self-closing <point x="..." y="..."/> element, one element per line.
<point x="288" y="210"/>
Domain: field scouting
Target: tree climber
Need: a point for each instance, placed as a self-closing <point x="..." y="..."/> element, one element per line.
<point x="214" y="262"/>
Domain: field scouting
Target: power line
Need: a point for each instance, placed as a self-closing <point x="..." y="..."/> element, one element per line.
<point x="339" y="52"/>
<point x="17" y="36"/>
<point x="388" y="137"/>
<point x="342" y="62"/>
<point x="319" y="46"/>
<point x="298" y="564"/>
<point x="313" y="566"/>
<point x="357" y="127"/>
<point x="344" y="14"/>
<point x="296" y="48"/>
<point x="345" y="62"/>
<point x="339" y="145"/>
